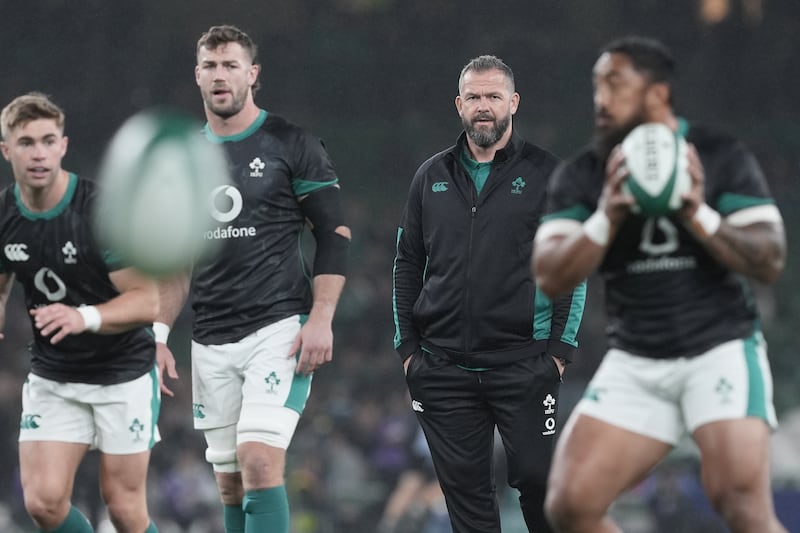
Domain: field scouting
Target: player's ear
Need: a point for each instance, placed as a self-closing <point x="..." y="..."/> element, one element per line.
<point x="657" y="96"/>
<point x="255" y="70"/>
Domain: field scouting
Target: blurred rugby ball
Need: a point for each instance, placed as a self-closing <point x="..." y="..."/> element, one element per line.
<point x="658" y="174"/>
<point x="155" y="182"/>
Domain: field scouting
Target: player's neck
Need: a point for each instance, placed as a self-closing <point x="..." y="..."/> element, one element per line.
<point x="667" y="117"/>
<point x="42" y="199"/>
<point x="233" y="125"/>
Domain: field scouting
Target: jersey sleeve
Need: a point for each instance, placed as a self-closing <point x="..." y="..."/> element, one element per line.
<point x="741" y="182"/>
<point x="568" y="194"/>
<point x="312" y="168"/>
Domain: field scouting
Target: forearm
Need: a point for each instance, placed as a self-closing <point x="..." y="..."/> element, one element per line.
<point x="6" y="281"/>
<point x="172" y="293"/>
<point x="757" y="251"/>
<point x="134" y="308"/>
<point x="327" y="290"/>
<point x="562" y="262"/>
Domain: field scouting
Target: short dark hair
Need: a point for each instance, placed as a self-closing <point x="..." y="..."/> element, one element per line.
<point x="648" y="56"/>
<point x="484" y="63"/>
<point x="27" y="108"/>
<point x="217" y="36"/>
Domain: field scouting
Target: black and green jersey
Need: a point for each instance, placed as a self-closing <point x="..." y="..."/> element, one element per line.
<point x="665" y="295"/>
<point x="259" y="276"/>
<point x="462" y="278"/>
<point x="56" y="259"/>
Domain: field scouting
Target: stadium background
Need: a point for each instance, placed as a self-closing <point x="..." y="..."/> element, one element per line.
<point x="376" y="80"/>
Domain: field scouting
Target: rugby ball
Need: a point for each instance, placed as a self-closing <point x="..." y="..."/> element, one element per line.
<point x="155" y="182"/>
<point x="658" y="173"/>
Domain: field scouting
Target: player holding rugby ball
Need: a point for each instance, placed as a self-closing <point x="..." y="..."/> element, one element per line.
<point x="686" y="352"/>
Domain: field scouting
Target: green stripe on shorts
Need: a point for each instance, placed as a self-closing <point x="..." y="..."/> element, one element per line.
<point x="301" y="385"/>
<point x="155" y="405"/>
<point x="756" y="400"/>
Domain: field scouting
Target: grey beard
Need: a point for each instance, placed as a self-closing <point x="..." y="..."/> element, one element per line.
<point x="485" y="138"/>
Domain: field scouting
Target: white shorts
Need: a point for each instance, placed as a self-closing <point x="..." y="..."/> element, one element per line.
<point x="252" y="384"/>
<point x="665" y="398"/>
<point x="116" y="419"/>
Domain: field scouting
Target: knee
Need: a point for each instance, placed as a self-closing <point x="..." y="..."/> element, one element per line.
<point x="740" y="509"/>
<point x="47" y="510"/>
<point x="230" y="487"/>
<point x="126" y="514"/>
<point x="262" y="466"/>
<point x="565" y="507"/>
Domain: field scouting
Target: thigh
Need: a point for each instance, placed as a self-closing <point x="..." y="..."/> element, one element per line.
<point x="217" y="383"/>
<point x="637" y="394"/>
<point x="123" y="476"/>
<point x="53" y="411"/>
<point x="735" y="456"/>
<point x="47" y="468"/>
<point x="459" y="428"/>
<point x="126" y="415"/>
<point x="269" y="373"/>
<point x="595" y="461"/>
<point x="731" y="381"/>
<point x="524" y="399"/>
<point x="456" y="420"/>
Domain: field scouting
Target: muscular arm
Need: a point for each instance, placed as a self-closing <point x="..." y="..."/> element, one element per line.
<point x="562" y="259"/>
<point x="751" y="241"/>
<point x="6" y="282"/>
<point x="325" y="217"/>
<point x="757" y="250"/>
<point x="563" y="253"/>
<point x="172" y="293"/>
<point x="136" y="305"/>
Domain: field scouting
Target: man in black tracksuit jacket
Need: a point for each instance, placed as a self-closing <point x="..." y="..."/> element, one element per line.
<point x="481" y="347"/>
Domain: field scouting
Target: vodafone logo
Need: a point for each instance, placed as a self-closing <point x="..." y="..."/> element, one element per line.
<point x="235" y="201"/>
<point x="50" y="284"/>
<point x="16" y="252"/>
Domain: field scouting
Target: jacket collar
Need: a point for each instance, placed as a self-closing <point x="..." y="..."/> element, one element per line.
<point x="514" y="146"/>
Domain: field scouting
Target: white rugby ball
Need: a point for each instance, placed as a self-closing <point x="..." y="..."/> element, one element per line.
<point x="658" y="170"/>
<point x="155" y="181"/>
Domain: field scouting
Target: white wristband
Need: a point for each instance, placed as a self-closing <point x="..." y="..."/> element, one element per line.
<point x="598" y="228"/>
<point x="706" y="220"/>
<point x="161" y="332"/>
<point x="91" y="317"/>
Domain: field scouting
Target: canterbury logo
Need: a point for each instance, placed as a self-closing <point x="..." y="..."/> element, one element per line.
<point x="439" y="186"/>
<point x="29" y="422"/>
<point x="16" y="252"/>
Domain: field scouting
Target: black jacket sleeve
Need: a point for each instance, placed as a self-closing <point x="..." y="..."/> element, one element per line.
<point x="409" y="268"/>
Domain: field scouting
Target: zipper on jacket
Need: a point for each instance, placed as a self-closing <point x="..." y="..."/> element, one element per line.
<point x="468" y="329"/>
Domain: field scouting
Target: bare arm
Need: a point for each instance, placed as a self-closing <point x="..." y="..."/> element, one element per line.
<point x="757" y="251"/>
<point x="566" y="252"/>
<point x="172" y="293"/>
<point x="315" y="340"/>
<point x="6" y="282"/>
<point x="135" y="306"/>
<point x="751" y="241"/>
